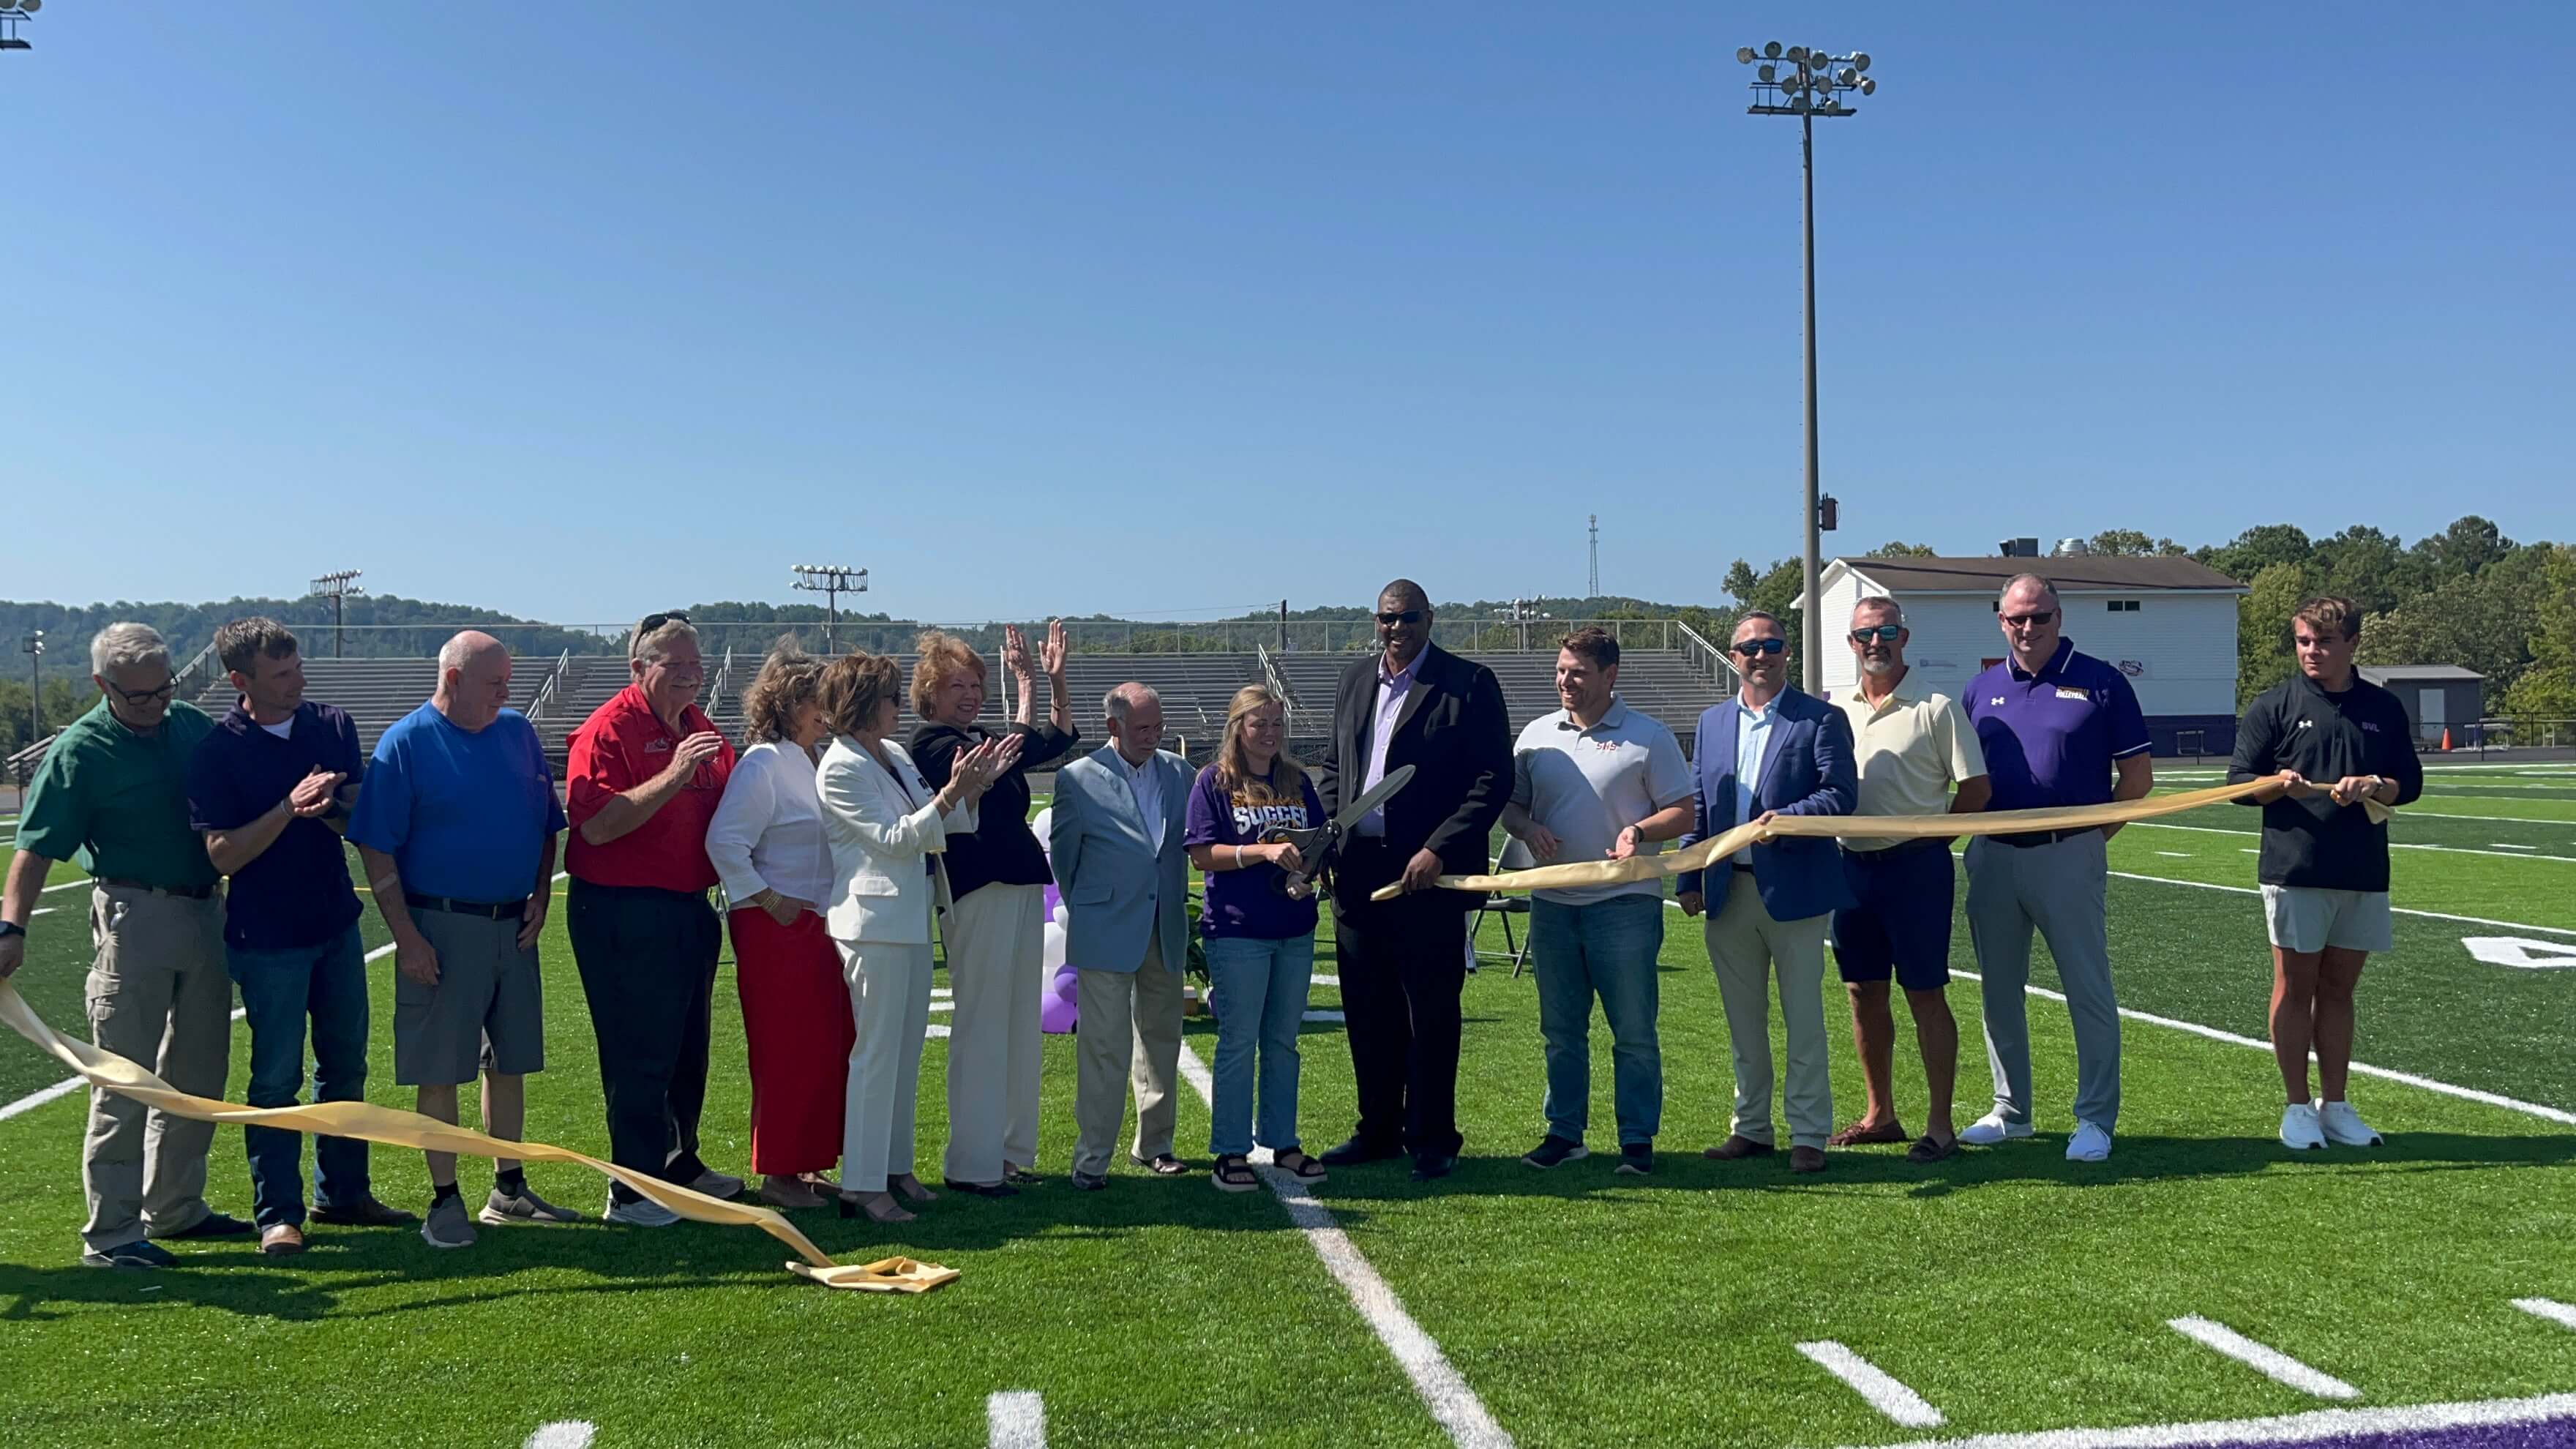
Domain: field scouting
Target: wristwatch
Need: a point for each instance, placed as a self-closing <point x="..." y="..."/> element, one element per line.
<point x="11" y="928"/>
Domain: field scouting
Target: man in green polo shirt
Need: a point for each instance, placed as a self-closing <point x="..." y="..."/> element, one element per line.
<point x="113" y="794"/>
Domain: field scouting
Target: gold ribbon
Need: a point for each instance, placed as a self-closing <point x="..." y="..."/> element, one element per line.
<point x="1580" y="873"/>
<point x="364" y="1121"/>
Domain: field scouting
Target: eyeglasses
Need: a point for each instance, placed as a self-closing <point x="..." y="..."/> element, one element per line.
<point x="1401" y="616"/>
<point x="2038" y="620"/>
<point x="144" y="696"/>
<point x="1884" y="633"/>
<point x="656" y="621"/>
<point x="1752" y="647"/>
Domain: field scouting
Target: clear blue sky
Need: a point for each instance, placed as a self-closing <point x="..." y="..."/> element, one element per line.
<point x="577" y="310"/>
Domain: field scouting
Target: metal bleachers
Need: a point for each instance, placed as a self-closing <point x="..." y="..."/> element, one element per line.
<point x="1195" y="690"/>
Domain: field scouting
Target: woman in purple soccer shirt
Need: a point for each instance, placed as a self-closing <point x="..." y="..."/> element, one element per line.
<point x="1260" y="942"/>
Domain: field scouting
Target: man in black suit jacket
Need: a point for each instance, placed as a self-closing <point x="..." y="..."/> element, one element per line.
<point x="1403" y="961"/>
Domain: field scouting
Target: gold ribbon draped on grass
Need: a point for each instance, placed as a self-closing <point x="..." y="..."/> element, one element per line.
<point x="109" y="1072"/>
<point x="1858" y="827"/>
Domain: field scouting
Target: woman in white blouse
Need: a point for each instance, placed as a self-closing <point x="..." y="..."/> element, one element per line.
<point x="887" y="830"/>
<point x="766" y="840"/>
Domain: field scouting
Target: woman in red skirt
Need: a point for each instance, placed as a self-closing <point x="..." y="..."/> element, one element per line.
<point x="767" y="844"/>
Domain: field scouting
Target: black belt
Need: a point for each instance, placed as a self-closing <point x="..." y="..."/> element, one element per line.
<point x="1739" y="866"/>
<point x="503" y="911"/>
<point x="1902" y="847"/>
<point x="197" y="893"/>
<point x="2040" y="837"/>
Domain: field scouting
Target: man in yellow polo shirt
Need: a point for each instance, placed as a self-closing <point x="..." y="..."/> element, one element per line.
<point x="1912" y="747"/>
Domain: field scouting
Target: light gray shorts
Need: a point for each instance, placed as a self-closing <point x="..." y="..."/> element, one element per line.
<point x="2309" y="919"/>
<point x="487" y="1012"/>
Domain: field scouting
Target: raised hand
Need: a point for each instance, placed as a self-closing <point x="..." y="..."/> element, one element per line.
<point x="1015" y="651"/>
<point x="1052" y="661"/>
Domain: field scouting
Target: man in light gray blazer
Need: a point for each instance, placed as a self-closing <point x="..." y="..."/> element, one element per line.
<point x="1115" y="842"/>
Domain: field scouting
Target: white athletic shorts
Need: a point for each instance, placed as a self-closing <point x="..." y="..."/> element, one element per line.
<point x="2308" y="919"/>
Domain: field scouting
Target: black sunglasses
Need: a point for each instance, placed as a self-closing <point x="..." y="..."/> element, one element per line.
<point x="656" y="621"/>
<point x="1403" y="616"/>
<point x="2037" y="620"/>
<point x="1884" y="632"/>
<point x="1751" y="647"/>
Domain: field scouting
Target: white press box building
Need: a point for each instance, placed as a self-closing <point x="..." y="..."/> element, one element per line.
<point x="2167" y="623"/>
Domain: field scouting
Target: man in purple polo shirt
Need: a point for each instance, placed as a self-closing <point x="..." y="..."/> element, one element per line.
<point x="266" y="787"/>
<point x="2056" y="727"/>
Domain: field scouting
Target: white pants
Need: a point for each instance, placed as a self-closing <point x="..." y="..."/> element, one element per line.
<point x="996" y="936"/>
<point x="890" y="1000"/>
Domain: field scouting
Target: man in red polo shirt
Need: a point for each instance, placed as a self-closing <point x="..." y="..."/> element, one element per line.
<point x="645" y="774"/>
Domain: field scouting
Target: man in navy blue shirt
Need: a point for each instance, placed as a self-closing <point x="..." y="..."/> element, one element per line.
<point x="265" y="787"/>
<point x="2056" y="727"/>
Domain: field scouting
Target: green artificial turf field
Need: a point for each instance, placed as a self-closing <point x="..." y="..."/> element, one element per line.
<point x="2006" y="1290"/>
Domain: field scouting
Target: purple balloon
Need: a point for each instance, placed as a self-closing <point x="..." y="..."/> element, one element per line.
<point x="1057" y="1015"/>
<point x="1051" y="899"/>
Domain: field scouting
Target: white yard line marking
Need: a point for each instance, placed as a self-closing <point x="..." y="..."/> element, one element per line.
<point x="2562" y="1314"/>
<point x="66" y="885"/>
<point x="1326" y="979"/>
<point x="2269" y="1362"/>
<point x="1444" y="1391"/>
<point x="1871" y="1382"/>
<point x="936" y="1030"/>
<point x="2500" y="845"/>
<point x="2466" y="1094"/>
<point x="941" y="993"/>
<point x="40" y="911"/>
<point x="2307" y="1428"/>
<point x="2202" y="885"/>
<point x="563" y="1434"/>
<point x="1015" y="1420"/>
<point x="2176" y="854"/>
<point x="2506" y="852"/>
<point x="69" y="1085"/>
<point x="943" y="1006"/>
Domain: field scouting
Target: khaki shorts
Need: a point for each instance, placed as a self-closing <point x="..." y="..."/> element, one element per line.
<point x="2309" y="919"/>
<point x="487" y="1012"/>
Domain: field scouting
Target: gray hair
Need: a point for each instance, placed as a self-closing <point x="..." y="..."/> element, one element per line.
<point x="1895" y="610"/>
<point x="1117" y="702"/>
<point x="123" y="646"/>
<point x="2034" y="580"/>
<point x="459" y="651"/>
<point x="651" y="648"/>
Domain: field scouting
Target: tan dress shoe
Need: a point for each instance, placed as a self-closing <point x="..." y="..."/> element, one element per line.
<point x="281" y="1240"/>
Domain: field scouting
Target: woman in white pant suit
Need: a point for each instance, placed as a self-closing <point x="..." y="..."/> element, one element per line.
<point x="887" y="829"/>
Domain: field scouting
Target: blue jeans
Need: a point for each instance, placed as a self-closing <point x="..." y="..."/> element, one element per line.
<point x="1259" y="991"/>
<point x="1608" y="949"/>
<point x="279" y="989"/>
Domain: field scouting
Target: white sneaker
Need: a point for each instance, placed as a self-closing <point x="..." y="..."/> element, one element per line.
<point x="641" y="1213"/>
<point x="1990" y="1129"/>
<point x="2300" y="1130"/>
<point x="2344" y="1127"/>
<point x="2089" y="1144"/>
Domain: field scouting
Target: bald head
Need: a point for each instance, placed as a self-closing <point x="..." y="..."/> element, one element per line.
<point x="473" y="680"/>
<point x="1135" y="717"/>
<point x="1403" y="622"/>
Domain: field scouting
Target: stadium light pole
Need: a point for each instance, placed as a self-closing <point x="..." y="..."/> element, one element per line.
<point x="1807" y="83"/>
<point x="338" y="586"/>
<point x="33" y="646"/>
<point x="11" y="12"/>
<point x="831" y="581"/>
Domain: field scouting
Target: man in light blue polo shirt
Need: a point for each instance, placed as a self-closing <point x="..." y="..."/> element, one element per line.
<point x="2055" y="726"/>
<point x="1597" y="781"/>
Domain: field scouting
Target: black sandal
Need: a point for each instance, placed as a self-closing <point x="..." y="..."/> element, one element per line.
<point x="1298" y="1165"/>
<point x="1234" y="1174"/>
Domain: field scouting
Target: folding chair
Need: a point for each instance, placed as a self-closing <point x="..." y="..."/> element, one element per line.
<point x="1515" y="856"/>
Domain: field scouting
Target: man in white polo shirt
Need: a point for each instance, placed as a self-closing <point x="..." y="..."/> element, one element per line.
<point x="1912" y="747"/>
<point x="1597" y="781"/>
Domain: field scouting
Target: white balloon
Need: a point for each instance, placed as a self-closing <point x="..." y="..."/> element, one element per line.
<point x="1052" y="954"/>
<point x="1039" y="826"/>
<point x="1063" y="913"/>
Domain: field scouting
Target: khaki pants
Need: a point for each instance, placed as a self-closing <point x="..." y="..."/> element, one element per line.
<point x="996" y="938"/>
<point x="1127" y="1030"/>
<point x="159" y="996"/>
<point x="1745" y="945"/>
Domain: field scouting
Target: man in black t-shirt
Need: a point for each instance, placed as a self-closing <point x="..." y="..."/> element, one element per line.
<point x="2334" y="740"/>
